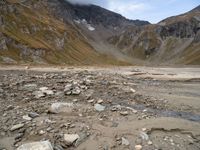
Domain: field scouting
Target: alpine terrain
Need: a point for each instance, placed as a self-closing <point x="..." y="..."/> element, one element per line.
<point x="80" y="77"/>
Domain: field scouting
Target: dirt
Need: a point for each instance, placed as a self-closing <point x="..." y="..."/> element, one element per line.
<point x="155" y="108"/>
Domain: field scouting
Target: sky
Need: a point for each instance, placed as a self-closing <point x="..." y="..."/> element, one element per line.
<point x="150" y="10"/>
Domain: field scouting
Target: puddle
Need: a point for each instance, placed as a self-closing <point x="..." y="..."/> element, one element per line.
<point x="166" y="113"/>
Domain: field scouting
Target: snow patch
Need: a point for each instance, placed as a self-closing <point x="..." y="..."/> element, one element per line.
<point x="85" y="23"/>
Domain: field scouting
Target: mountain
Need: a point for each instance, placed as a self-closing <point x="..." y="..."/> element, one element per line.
<point x="175" y="40"/>
<point x="58" y="32"/>
<point x="30" y="32"/>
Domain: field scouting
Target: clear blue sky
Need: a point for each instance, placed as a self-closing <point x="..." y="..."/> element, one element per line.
<point x="150" y="10"/>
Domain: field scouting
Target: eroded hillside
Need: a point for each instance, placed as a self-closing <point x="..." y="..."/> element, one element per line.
<point x="31" y="34"/>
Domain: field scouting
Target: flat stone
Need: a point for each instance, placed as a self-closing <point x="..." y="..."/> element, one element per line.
<point x="44" y="145"/>
<point x="124" y="113"/>
<point x="125" y="141"/>
<point x="61" y="107"/>
<point x="16" y="127"/>
<point x="30" y="86"/>
<point x="99" y="107"/>
<point x="26" y="117"/>
<point x="71" y="138"/>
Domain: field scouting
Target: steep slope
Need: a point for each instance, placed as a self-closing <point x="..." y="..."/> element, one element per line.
<point x="175" y="40"/>
<point x="30" y="33"/>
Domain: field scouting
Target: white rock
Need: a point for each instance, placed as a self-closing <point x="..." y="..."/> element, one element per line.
<point x="150" y="143"/>
<point x="91" y="101"/>
<point x="100" y="101"/>
<point x="132" y="90"/>
<point x="48" y="92"/>
<point x="99" y="107"/>
<point x="44" y="145"/>
<point x="61" y="107"/>
<point x="125" y="141"/>
<point x="124" y="113"/>
<point x="138" y="147"/>
<point x="43" y="88"/>
<point x="144" y="136"/>
<point x="26" y="117"/>
<point x="71" y="138"/>
<point x="17" y="126"/>
<point x="38" y="94"/>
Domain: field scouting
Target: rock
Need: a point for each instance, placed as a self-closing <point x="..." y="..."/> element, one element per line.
<point x="81" y="138"/>
<point x="144" y="136"/>
<point x="99" y="107"/>
<point x="138" y="147"/>
<point x="46" y="91"/>
<point x="41" y="132"/>
<point x="16" y="127"/>
<point x="61" y="107"/>
<point x="100" y="101"/>
<point x="150" y="143"/>
<point x="38" y="94"/>
<point x="125" y="141"/>
<point x="91" y="101"/>
<point x="44" y="145"/>
<point x="1" y="90"/>
<point x="76" y="91"/>
<point x="132" y="90"/>
<point x="124" y="113"/>
<point x="26" y="117"/>
<point x="30" y="87"/>
<point x="71" y="138"/>
<point x="33" y="114"/>
<point x="58" y="147"/>
<point x="43" y="88"/>
<point x="68" y="88"/>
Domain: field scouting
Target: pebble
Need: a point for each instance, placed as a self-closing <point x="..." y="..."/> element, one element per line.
<point x="124" y="113"/>
<point x="44" y="145"/>
<point x="41" y="132"/>
<point x="100" y="101"/>
<point x="38" y="94"/>
<point x="150" y="143"/>
<point x="144" y="136"/>
<point x="138" y="147"/>
<point x="33" y="114"/>
<point x="26" y="117"/>
<point x="61" y="107"/>
<point x="16" y="127"/>
<point x="91" y="101"/>
<point x="125" y="141"/>
<point x="132" y="90"/>
<point x="99" y="107"/>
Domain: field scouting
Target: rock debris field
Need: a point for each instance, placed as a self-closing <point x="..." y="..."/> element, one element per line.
<point x="99" y="109"/>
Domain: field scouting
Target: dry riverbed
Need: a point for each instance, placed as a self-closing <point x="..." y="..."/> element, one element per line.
<point x="88" y="108"/>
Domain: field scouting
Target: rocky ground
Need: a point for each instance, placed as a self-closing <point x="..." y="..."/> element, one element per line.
<point x="103" y="108"/>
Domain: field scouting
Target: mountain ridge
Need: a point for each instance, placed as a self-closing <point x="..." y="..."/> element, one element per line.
<point x="57" y="32"/>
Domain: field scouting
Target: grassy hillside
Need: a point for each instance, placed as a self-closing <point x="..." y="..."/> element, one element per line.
<point x="31" y="34"/>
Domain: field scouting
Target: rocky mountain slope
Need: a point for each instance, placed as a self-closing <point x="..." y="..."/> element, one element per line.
<point x="30" y="33"/>
<point x="57" y="32"/>
<point x="175" y="40"/>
